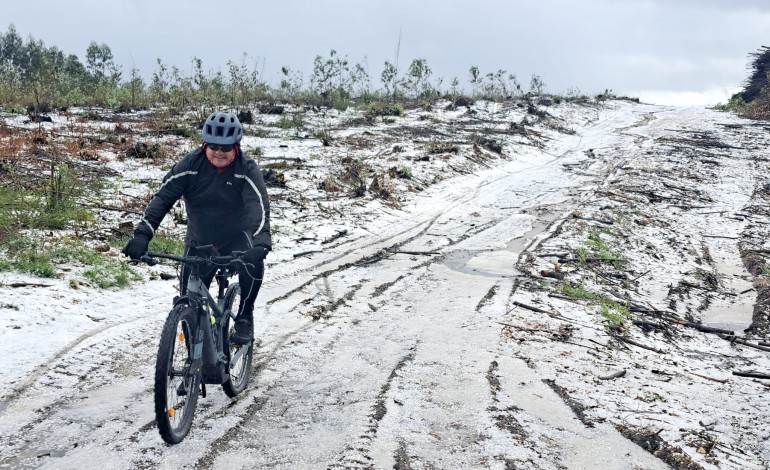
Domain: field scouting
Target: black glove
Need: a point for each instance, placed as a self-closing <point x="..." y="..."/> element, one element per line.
<point x="255" y="255"/>
<point x="137" y="247"/>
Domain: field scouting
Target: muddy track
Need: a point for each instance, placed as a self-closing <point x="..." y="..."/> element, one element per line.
<point x="356" y="454"/>
<point x="353" y="379"/>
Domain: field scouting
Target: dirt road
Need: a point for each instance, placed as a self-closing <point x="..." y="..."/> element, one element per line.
<point x="403" y="346"/>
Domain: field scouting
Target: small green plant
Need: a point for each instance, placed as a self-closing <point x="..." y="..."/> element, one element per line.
<point x="607" y="94"/>
<point x="735" y="104"/>
<point x="649" y="397"/>
<point x="165" y="244"/>
<point x="330" y="184"/>
<point x="293" y="122"/>
<point x="597" y="247"/>
<point x="354" y="173"/>
<point x="384" y="109"/>
<point x="580" y="292"/>
<point x="324" y="136"/>
<point x="435" y="147"/>
<point x="405" y="172"/>
<point x="615" y="313"/>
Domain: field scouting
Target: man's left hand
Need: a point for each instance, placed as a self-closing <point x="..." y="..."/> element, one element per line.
<point x="255" y="255"/>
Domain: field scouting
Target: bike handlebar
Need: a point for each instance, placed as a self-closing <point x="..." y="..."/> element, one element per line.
<point x="233" y="259"/>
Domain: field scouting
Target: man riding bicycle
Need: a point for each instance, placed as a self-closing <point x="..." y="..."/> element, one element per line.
<point x="227" y="207"/>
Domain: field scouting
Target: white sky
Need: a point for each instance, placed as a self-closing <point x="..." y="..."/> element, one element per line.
<point x="664" y="51"/>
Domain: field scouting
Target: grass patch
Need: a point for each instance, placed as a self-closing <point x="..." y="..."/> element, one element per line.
<point x="325" y="137"/>
<point x="50" y="205"/>
<point x="168" y="245"/>
<point x="433" y="148"/>
<point x="404" y="172"/>
<point x="384" y="109"/>
<point x="30" y="255"/>
<point x="615" y="313"/>
<point x="596" y="247"/>
<point x="293" y="122"/>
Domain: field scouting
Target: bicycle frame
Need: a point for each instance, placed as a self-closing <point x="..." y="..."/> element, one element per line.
<point x="208" y="354"/>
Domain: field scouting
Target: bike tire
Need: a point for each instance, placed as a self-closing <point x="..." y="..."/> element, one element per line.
<point x="240" y="371"/>
<point x="176" y="386"/>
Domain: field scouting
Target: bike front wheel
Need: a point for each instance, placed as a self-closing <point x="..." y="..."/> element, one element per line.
<point x="238" y="356"/>
<point x="176" y="384"/>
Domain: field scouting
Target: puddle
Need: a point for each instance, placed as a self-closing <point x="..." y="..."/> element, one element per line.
<point x="24" y="459"/>
<point x="501" y="263"/>
<point x="488" y="263"/>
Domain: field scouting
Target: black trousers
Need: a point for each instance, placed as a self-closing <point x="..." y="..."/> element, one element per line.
<point x="249" y="278"/>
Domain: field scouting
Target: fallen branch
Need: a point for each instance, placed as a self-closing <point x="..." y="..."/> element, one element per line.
<point x="557" y="255"/>
<point x="705" y="329"/>
<point x="304" y="253"/>
<point x="638" y="344"/>
<point x="752" y="374"/>
<point x="535" y="309"/>
<point x="28" y="284"/>
<point x="722" y="381"/>
<point x="590" y="260"/>
<point x="736" y="340"/>
<point x="564" y="297"/>
<point x="416" y="252"/>
<point x="647" y="325"/>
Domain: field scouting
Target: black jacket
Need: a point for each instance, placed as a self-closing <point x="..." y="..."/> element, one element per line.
<point x="220" y="206"/>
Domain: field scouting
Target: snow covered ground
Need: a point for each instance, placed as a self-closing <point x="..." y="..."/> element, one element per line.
<point x="538" y="304"/>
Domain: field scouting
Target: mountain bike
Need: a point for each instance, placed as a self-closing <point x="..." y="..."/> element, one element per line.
<point x="195" y="348"/>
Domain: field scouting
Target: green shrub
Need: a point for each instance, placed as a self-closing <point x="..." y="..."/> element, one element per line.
<point x="324" y="136"/>
<point x="735" y="104"/>
<point x="51" y="205"/>
<point x="384" y="109"/>
<point x="293" y="122"/>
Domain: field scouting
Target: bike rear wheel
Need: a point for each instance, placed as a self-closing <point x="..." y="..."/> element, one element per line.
<point x="176" y="385"/>
<point x="239" y="359"/>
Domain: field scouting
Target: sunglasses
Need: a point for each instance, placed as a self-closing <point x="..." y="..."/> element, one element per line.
<point x="224" y="148"/>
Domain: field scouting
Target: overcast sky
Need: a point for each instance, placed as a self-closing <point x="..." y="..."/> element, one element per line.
<point x="664" y="51"/>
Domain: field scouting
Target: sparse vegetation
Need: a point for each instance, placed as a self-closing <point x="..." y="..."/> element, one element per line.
<point x="596" y="247"/>
<point x="615" y="313"/>
<point x="42" y="257"/>
<point x="52" y="194"/>
<point x="41" y="78"/>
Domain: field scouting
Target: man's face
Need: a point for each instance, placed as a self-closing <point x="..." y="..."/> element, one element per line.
<point x="220" y="155"/>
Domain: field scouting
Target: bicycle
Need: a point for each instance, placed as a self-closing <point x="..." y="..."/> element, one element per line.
<point x="195" y="348"/>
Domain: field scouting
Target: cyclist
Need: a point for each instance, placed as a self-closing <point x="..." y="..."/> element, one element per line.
<point x="227" y="206"/>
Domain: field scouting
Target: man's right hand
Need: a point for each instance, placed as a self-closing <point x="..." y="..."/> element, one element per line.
<point x="136" y="247"/>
